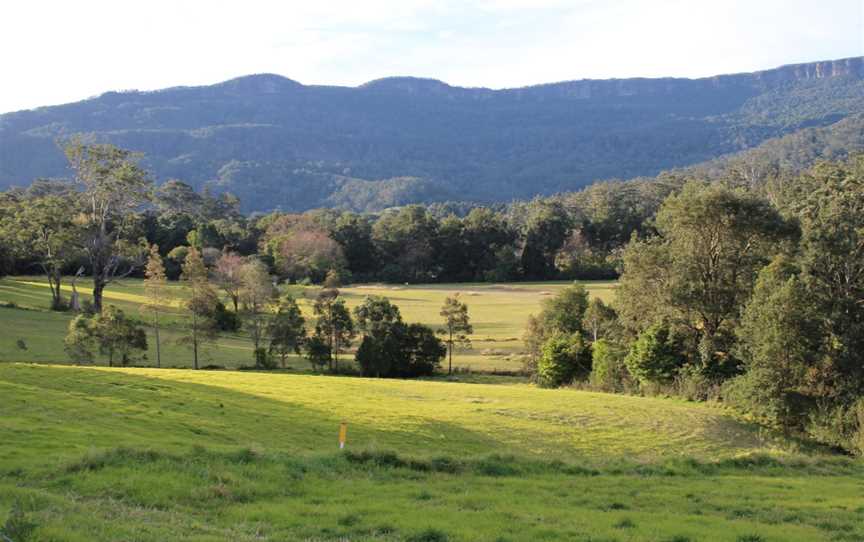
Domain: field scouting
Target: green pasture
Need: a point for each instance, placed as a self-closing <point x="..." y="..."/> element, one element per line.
<point x="498" y="313"/>
<point x="148" y="454"/>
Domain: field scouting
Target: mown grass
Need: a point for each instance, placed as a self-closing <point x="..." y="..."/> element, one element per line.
<point x="498" y="312"/>
<point x="138" y="454"/>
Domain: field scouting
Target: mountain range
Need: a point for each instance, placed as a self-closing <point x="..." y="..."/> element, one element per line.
<point x="279" y="144"/>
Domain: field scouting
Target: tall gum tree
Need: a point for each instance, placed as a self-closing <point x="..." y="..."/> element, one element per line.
<point x="113" y="188"/>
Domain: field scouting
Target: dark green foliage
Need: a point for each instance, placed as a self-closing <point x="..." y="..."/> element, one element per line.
<point x="545" y="229"/>
<point x="608" y="370"/>
<point x="287" y="331"/>
<point x="317" y="351"/>
<point x="334" y="323"/>
<point x="779" y="343"/>
<point x="376" y="315"/>
<point x="111" y="333"/>
<point x="655" y="356"/>
<point x="225" y="320"/>
<point x="399" y="350"/>
<point x="406" y="239"/>
<point x="564" y="312"/>
<point x="563" y="358"/>
<point x="18" y="527"/>
<point x="600" y="320"/>
<point x="699" y="272"/>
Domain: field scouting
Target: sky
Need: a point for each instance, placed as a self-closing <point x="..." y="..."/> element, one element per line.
<point x="67" y="50"/>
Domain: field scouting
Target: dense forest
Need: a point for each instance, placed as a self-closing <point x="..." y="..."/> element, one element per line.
<point x="278" y="144"/>
<point x="741" y="287"/>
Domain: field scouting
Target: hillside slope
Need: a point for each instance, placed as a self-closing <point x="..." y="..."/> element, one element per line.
<point x="280" y="144"/>
<point x="150" y="455"/>
<point x="297" y="413"/>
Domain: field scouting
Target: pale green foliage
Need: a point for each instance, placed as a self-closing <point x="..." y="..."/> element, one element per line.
<point x="156" y="293"/>
<point x="113" y="187"/>
<point x="256" y="294"/>
<point x="201" y="305"/>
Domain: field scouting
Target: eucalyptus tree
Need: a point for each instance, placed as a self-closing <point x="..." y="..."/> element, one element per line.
<point x="113" y="188"/>
<point x="156" y="294"/>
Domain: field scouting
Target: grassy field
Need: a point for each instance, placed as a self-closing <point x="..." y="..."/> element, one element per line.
<point x="91" y="453"/>
<point x="498" y="312"/>
<point x="147" y="454"/>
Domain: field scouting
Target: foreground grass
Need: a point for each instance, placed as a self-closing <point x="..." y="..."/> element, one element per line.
<point x="498" y="312"/>
<point x="135" y="454"/>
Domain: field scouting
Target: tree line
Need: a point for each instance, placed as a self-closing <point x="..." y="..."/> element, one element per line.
<point x="749" y="294"/>
<point x="102" y="219"/>
<point x="748" y="288"/>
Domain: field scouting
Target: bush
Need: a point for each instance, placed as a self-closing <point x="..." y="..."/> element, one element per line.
<point x="563" y="358"/>
<point x="400" y="351"/>
<point x="225" y="320"/>
<point x="655" y="356"/>
<point x="608" y="372"/>
<point x="263" y="359"/>
<point x="840" y="426"/>
<point x="759" y="393"/>
<point x="18" y="526"/>
<point x="695" y="385"/>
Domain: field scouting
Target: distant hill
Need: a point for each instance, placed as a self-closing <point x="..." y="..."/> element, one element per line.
<point x="279" y="144"/>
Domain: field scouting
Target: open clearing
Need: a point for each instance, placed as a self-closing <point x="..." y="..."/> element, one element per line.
<point x="147" y="454"/>
<point x="498" y="313"/>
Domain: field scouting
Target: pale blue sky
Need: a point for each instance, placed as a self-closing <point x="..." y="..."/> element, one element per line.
<point x="67" y="50"/>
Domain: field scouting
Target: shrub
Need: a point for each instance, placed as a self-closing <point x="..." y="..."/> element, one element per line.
<point x="608" y="372"/>
<point x="225" y="320"/>
<point x="758" y="392"/>
<point x="840" y="426"/>
<point x="695" y="385"/>
<point x="18" y="526"/>
<point x="429" y="535"/>
<point x="264" y="360"/>
<point x="563" y="358"/>
<point x="654" y="356"/>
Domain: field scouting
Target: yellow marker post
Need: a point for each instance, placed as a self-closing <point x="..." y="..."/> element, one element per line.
<point x="343" y="434"/>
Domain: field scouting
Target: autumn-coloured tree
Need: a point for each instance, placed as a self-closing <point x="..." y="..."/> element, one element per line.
<point x="227" y="275"/>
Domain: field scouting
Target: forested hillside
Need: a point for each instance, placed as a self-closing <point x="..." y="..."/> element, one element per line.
<point x="278" y="144"/>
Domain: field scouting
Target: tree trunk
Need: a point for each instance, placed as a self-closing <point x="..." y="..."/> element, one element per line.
<point x="158" y="351"/>
<point x="194" y="341"/>
<point x="98" y="287"/>
<point x="450" y="365"/>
